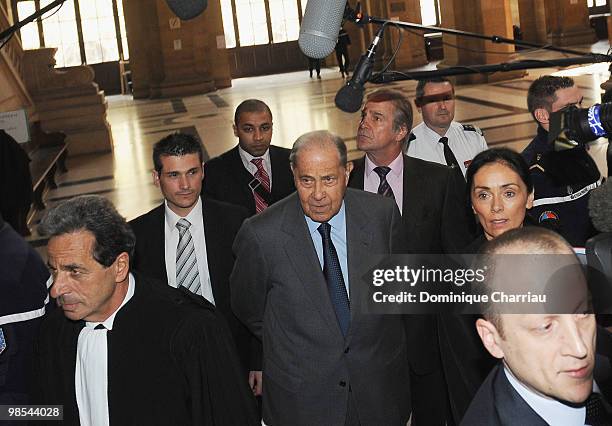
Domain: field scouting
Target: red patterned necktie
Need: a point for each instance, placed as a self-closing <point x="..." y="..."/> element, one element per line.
<point x="262" y="176"/>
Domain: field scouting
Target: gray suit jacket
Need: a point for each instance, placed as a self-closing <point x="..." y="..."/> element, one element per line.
<point x="279" y="291"/>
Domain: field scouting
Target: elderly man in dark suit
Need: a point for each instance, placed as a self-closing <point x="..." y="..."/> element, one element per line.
<point x="187" y="240"/>
<point x="548" y="351"/>
<point x="435" y="220"/>
<point x="253" y="174"/>
<point x="297" y="283"/>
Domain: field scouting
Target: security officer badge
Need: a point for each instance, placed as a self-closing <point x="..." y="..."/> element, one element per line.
<point x="472" y="128"/>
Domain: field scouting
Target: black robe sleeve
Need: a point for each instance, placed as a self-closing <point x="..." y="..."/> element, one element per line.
<point x="219" y="393"/>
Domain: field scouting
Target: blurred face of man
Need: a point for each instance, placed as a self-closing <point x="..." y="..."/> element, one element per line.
<point x="254" y="132"/>
<point x="564" y="98"/>
<point x="376" y="135"/>
<point x="438" y="109"/>
<point x="180" y="181"/>
<point x="83" y="288"/>
<point x="320" y="180"/>
<point x="551" y="354"/>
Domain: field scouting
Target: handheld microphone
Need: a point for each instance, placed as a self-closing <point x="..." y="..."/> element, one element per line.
<point x="320" y="27"/>
<point x="350" y="97"/>
<point x="187" y="9"/>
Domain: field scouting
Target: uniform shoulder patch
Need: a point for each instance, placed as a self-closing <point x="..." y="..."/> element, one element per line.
<point x="472" y="128"/>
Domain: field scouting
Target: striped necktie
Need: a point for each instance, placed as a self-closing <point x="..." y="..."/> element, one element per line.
<point x="186" y="263"/>
<point x="262" y="176"/>
<point x="384" y="188"/>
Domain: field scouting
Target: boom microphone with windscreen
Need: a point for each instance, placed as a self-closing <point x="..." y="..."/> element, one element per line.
<point x="320" y="27"/>
<point x="187" y="9"/>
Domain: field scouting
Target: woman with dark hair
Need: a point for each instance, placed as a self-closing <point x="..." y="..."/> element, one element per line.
<point x="500" y="192"/>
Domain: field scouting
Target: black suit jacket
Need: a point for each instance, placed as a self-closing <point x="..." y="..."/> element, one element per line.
<point x="497" y="404"/>
<point x="434" y="220"/>
<point x="310" y="368"/>
<point x="434" y="213"/>
<point x="221" y="223"/>
<point x="226" y="179"/>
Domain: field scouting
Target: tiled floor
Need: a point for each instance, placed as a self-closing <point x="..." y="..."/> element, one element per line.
<point x="299" y="104"/>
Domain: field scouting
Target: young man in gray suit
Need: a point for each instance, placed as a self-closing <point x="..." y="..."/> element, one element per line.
<point x="297" y="285"/>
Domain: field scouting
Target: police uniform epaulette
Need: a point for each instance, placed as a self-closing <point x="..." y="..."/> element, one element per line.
<point x="472" y="128"/>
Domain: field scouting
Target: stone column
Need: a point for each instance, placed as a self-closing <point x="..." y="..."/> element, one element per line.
<point x="412" y="51"/>
<point x="568" y="23"/>
<point x="170" y="57"/>
<point x="532" y="14"/>
<point x="489" y="17"/>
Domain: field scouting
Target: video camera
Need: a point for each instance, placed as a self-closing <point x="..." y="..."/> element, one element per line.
<point x="575" y="125"/>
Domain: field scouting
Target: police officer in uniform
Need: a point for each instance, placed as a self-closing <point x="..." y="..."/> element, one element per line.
<point x="438" y="138"/>
<point x="562" y="179"/>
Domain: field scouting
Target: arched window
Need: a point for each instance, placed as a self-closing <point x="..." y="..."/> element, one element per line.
<point x="256" y="22"/>
<point x="84" y="31"/>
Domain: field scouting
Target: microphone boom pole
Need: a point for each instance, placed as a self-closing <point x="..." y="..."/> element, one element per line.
<point x="491" y="38"/>
<point x="14" y="28"/>
<point x="388" y="77"/>
<point x="351" y="94"/>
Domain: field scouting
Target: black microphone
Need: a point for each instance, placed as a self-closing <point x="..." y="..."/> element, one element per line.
<point x="350" y="97"/>
<point x="320" y="27"/>
<point x="187" y="9"/>
<point x="600" y="207"/>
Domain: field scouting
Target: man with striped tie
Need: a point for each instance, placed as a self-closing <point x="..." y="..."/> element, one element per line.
<point x="431" y="199"/>
<point x="254" y="174"/>
<point x="186" y="241"/>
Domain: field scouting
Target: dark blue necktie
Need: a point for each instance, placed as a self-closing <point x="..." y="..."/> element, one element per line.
<point x="335" y="281"/>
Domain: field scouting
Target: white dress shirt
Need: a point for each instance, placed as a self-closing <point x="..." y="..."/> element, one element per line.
<point x="551" y="410"/>
<point x="371" y="180"/>
<point x="465" y="144"/>
<point x="171" y="238"/>
<point x="252" y="168"/>
<point x="91" y="370"/>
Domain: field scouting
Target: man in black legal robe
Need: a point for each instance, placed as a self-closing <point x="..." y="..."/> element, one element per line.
<point x="125" y="350"/>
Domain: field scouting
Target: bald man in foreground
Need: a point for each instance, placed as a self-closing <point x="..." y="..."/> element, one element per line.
<point x="548" y="353"/>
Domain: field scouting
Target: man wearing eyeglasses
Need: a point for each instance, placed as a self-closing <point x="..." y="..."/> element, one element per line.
<point x="438" y="138"/>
